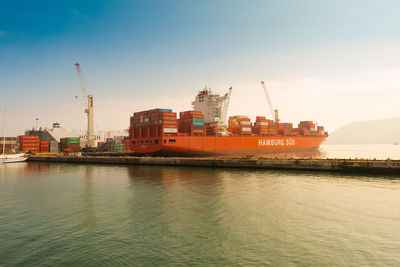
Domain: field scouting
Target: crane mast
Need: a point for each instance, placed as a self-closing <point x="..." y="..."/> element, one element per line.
<point x="88" y="101"/>
<point x="228" y="98"/>
<point x="274" y="113"/>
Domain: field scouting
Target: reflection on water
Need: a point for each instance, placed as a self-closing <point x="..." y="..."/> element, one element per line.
<point x="380" y="151"/>
<point x="287" y="155"/>
<point x="88" y="196"/>
<point x="75" y="214"/>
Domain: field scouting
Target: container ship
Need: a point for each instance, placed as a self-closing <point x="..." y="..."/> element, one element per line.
<point x="204" y="131"/>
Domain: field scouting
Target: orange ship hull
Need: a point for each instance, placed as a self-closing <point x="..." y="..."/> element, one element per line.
<point x="225" y="145"/>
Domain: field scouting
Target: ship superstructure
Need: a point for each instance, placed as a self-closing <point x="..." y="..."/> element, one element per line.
<point x="213" y="107"/>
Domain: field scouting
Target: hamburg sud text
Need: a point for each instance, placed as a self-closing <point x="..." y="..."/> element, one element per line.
<point x="276" y="142"/>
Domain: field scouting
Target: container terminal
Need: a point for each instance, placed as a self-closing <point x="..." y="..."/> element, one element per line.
<point x="193" y="139"/>
<point x="203" y="131"/>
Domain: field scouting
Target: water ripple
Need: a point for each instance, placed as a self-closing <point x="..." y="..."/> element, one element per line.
<point x="92" y="215"/>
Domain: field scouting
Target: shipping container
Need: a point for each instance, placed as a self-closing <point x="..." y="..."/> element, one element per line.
<point x="29" y="143"/>
<point x="54" y="147"/>
<point x="73" y="140"/>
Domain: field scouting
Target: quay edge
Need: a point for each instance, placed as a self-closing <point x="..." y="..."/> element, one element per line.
<point x="332" y="165"/>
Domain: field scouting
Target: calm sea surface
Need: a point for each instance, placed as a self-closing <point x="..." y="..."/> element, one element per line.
<point x="105" y="215"/>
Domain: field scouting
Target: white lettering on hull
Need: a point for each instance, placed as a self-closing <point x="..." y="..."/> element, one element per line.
<point x="277" y="142"/>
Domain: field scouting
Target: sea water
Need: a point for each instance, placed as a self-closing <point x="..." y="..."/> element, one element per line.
<point x="55" y="214"/>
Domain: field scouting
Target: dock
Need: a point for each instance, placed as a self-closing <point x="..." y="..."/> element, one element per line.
<point x="329" y="165"/>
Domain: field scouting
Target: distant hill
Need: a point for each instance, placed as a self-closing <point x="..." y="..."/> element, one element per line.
<point x="385" y="131"/>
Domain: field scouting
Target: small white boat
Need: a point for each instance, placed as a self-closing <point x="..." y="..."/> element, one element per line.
<point x="10" y="158"/>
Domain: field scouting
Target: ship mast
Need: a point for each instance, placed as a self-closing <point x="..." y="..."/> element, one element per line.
<point x="5" y="132"/>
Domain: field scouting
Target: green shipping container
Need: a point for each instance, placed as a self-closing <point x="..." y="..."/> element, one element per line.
<point x="119" y="148"/>
<point x="119" y="145"/>
<point x="73" y="140"/>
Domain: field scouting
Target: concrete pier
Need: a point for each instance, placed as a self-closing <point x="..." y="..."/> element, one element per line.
<point x="332" y="165"/>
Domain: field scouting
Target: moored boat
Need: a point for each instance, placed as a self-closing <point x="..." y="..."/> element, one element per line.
<point x="10" y="158"/>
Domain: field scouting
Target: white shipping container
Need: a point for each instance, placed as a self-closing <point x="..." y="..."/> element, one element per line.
<point x="8" y="142"/>
<point x="246" y="129"/>
<point x="170" y="130"/>
<point x="245" y="123"/>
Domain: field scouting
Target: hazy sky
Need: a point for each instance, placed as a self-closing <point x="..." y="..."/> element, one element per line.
<point x="329" y="61"/>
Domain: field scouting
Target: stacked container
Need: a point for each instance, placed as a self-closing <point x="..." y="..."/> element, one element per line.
<point x="211" y="128"/>
<point x="260" y="127"/>
<point x="240" y="125"/>
<point x="70" y="144"/>
<point x="119" y="147"/>
<point x="307" y="125"/>
<point x="285" y="129"/>
<point x="146" y="126"/>
<point x="191" y="122"/>
<point x="272" y="129"/>
<point x="54" y="147"/>
<point x="306" y="128"/>
<point x="29" y="143"/>
<point x="44" y="146"/>
<point x="127" y="144"/>
<point x="109" y="144"/>
<point x="116" y="144"/>
<point x="164" y="123"/>
<point x="101" y="147"/>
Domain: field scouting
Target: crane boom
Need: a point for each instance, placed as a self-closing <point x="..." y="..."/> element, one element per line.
<point x="228" y="97"/>
<point x="88" y="101"/>
<point x="269" y="101"/>
<point x="81" y="81"/>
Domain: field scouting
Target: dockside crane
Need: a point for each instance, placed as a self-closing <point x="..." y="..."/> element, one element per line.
<point x="274" y="113"/>
<point x="228" y="98"/>
<point x="88" y="101"/>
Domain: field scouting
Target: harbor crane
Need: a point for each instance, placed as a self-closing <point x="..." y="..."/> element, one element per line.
<point x="274" y="113"/>
<point x="228" y="98"/>
<point x="88" y="101"/>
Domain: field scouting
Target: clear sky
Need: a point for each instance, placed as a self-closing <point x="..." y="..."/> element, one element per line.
<point x="329" y="61"/>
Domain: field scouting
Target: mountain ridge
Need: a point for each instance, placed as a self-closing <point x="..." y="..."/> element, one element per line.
<point x="383" y="131"/>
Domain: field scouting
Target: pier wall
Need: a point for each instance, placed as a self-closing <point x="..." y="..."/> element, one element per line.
<point x="335" y="165"/>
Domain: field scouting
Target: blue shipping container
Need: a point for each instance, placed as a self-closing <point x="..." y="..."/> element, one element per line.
<point x="164" y="110"/>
